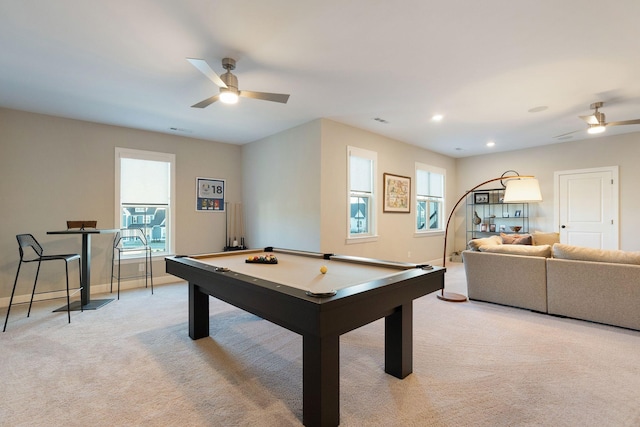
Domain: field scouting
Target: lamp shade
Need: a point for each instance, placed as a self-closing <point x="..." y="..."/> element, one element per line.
<point x="522" y="191"/>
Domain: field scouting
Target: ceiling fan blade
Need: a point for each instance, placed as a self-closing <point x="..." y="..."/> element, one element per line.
<point x="625" y="122"/>
<point x="566" y="134"/>
<point x="206" y="102"/>
<point x="275" y="97"/>
<point x="592" y="119"/>
<point x="205" y="69"/>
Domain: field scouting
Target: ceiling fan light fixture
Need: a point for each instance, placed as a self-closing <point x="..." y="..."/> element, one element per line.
<point x="595" y="129"/>
<point x="228" y="96"/>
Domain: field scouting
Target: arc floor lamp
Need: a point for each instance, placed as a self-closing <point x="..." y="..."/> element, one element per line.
<point x="518" y="189"/>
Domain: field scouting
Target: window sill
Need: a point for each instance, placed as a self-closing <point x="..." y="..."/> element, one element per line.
<point x="130" y="259"/>
<point x="355" y="240"/>
<point x="428" y="233"/>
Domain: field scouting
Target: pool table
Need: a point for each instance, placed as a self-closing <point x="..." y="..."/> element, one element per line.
<point x="296" y="295"/>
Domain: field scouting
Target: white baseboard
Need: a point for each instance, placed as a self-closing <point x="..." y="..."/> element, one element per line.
<point x="100" y="288"/>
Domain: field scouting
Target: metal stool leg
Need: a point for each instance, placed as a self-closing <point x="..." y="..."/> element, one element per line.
<point x="151" y="270"/>
<point x="33" y="292"/>
<point x="80" y="282"/>
<point x="119" y="263"/>
<point x="112" y="262"/>
<point x="66" y="270"/>
<point x="15" y="282"/>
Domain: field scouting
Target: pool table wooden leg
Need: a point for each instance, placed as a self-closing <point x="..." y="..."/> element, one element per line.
<point x="321" y="380"/>
<point x="198" y="312"/>
<point x="398" y="341"/>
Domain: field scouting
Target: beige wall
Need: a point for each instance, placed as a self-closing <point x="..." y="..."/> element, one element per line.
<point x="293" y="187"/>
<point x="619" y="150"/>
<point x="395" y="230"/>
<point x="281" y="189"/>
<point x="295" y="192"/>
<point x="54" y="169"/>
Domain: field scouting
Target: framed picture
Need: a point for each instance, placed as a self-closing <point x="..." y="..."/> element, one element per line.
<point x="210" y="195"/>
<point x="479" y="198"/>
<point x="397" y="193"/>
<point x="492" y="228"/>
<point x="483" y="227"/>
<point x="518" y="213"/>
<point x="503" y="227"/>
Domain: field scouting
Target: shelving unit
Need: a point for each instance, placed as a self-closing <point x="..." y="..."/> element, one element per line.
<point x="494" y="216"/>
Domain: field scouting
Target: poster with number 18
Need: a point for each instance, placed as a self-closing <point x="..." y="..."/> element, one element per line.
<point x="210" y="194"/>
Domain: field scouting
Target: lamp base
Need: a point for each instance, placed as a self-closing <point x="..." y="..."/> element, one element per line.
<point x="452" y="297"/>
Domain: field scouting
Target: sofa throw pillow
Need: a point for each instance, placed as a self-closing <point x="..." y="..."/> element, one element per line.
<point x="516" y="239"/>
<point x="528" y="250"/>
<point x="542" y="238"/>
<point x="476" y="243"/>
<point x="580" y="253"/>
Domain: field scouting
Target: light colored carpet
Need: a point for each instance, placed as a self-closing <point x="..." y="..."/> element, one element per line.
<point x="131" y="363"/>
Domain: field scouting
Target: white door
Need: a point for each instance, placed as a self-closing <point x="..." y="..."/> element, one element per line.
<point x="588" y="207"/>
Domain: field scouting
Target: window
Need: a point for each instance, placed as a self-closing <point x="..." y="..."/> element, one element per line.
<point x="361" y="205"/>
<point x="429" y="198"/>
<point x="144" y="194"/>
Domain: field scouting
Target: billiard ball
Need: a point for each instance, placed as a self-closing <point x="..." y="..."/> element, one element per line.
<point x="323" y="269"/>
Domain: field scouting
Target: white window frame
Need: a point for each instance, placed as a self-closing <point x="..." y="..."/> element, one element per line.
<point x="153" y="156"/>
<point x="419" y="198"/>
<point x="372" y="235"/>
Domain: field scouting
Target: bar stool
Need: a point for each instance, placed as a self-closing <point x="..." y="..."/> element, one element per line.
<point x="26" y="241"/>
<point x="131" y="240"/>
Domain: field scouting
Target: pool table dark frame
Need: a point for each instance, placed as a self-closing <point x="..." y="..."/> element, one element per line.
<point x="320" y="321"/>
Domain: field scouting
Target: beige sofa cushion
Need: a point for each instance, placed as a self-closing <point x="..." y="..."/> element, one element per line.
<point x="542" y="238"/>
<point x="475" y="244"/>
<point x="540" y="250"/>
<point x="579" y="253"/>
<point x="516" y="239"/>
<point x="518" y="281"/>
<point x="599" y="292"/>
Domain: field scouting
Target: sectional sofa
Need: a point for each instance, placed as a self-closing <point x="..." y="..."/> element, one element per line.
<point x="589" y="284"/>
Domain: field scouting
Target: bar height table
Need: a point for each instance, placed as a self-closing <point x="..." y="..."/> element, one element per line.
<point x="86" y="302"/>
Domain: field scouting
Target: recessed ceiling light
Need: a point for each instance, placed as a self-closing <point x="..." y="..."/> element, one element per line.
<point x="490" y="144"/>
<point x="437" y="117"/>
<point x="177" y="129"/>
<point x="538" y="109"/>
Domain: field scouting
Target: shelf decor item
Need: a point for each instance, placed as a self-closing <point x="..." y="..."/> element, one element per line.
<point x="476" y="219"/>
<point x="518" y="189"/>
<point x="479" y="198"/>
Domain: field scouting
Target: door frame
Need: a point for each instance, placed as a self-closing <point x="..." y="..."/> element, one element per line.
<point x="615" y="209"/>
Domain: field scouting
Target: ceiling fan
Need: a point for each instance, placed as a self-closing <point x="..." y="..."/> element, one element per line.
<point x="596" y="122"/>
<point x="228" y="84"/>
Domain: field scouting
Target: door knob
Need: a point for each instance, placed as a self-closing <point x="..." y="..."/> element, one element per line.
<point x="563" y="226"/>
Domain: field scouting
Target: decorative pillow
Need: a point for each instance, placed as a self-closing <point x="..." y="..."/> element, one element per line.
<point x="529" y="250"/>
<point x="580" y="253"/>
<point x="542" y="238"/>
<point x="515" y="239"/>
<point x="476" y="243"/>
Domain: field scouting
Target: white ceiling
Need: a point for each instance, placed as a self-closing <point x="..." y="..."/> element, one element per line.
<point x="483" y="64"/>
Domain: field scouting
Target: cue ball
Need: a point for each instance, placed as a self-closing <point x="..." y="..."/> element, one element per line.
<point x="323" y="269"/>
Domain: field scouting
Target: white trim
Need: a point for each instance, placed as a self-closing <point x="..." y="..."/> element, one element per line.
<point x="365" y="239"/>
<point x="130" y="153"/>
<point x="373" y="208"/>
<point x="435" y="170"/>
<point x="614" y="170"/>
